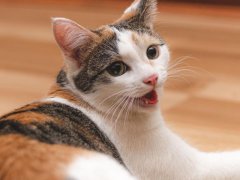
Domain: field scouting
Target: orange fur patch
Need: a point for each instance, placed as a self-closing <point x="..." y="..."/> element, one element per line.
<point x="107" y="32"/>
<point x="28" y="117"/>
<point x="57" y="91"/>
<point x="135" y="38"/>
<point x="22" y="158"/>
<point x="29" y="106"/>
<point x="25" y="108"/>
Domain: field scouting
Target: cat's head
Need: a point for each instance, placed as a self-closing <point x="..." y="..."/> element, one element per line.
<point x="117" y="66"/>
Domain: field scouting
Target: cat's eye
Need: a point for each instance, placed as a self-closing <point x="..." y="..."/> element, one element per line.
<point x="153" y="52"/>
<point x="117" y="68"/>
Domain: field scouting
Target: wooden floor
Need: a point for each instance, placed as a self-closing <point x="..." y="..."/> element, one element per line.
<point x="202" y="103"/>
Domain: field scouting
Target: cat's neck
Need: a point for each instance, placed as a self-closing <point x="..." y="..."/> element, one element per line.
<point x="147" y="142"/>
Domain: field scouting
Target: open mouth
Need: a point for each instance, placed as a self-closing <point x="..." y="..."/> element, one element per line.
<point x="149" y="99"/>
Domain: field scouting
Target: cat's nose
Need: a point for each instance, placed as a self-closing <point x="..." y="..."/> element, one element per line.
<point x="151" y="80"/>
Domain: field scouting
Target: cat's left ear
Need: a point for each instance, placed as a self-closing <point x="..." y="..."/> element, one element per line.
<point x="73" y="39"/>
<point x="140" y="13"/>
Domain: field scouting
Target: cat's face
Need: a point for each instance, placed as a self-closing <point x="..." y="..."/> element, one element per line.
<point x="118" y="66"/>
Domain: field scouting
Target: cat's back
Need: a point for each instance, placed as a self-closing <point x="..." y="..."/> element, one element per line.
<point x="57" y="120"/>
<point x="41" y="136"/>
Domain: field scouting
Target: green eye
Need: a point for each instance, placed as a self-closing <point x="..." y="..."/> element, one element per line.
<point x="153" y="52"/>
<point x="117" y="69"/>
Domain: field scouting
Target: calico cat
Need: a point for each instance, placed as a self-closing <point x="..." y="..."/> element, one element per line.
<point x="103" y="113"/>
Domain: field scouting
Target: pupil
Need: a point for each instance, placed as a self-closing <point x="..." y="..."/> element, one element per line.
<point x="116" y="68"/>
<point x="152" y="52"/>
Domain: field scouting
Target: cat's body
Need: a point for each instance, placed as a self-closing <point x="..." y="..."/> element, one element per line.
<point x="105" y="106"/>
<point x="48" y="139"/>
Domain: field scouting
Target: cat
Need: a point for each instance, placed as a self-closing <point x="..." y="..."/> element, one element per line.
<point x="102" y="118"/>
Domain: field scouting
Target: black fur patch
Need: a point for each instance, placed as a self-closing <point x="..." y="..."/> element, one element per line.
<point x="95" y="65"/>
<point x="74" y="128"/>
<point x="134" y="24"/>
<point x="138" y="22"/>
<point x="62" y="78"/>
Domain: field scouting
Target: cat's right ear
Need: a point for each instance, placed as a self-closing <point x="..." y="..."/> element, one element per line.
<point x="140" y="14"/>
<point x="73" y="39"/>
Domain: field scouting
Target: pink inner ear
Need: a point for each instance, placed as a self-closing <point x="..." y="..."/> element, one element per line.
<point x="69" y="35"/>
<point x="60" y="31"/>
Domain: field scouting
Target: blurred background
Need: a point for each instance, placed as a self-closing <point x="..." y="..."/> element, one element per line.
<point x="201" y="102"/>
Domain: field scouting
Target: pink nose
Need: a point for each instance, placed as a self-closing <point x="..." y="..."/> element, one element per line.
<point x="152" y="80"/>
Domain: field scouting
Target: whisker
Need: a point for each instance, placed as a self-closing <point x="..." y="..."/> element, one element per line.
<point x="114" y="94"/>
<point x="114" y="106"/>
<point x="121" y="110"/>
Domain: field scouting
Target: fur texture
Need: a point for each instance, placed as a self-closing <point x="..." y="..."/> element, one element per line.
<point x="103" y="112"/>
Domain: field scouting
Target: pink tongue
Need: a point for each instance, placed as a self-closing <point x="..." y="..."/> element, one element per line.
<point x="150" y="98"/>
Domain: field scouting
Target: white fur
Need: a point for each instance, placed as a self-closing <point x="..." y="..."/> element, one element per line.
<point x="149" y="149"/>
<point x="64" y="101"/>
<point x="96" y="167"/>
